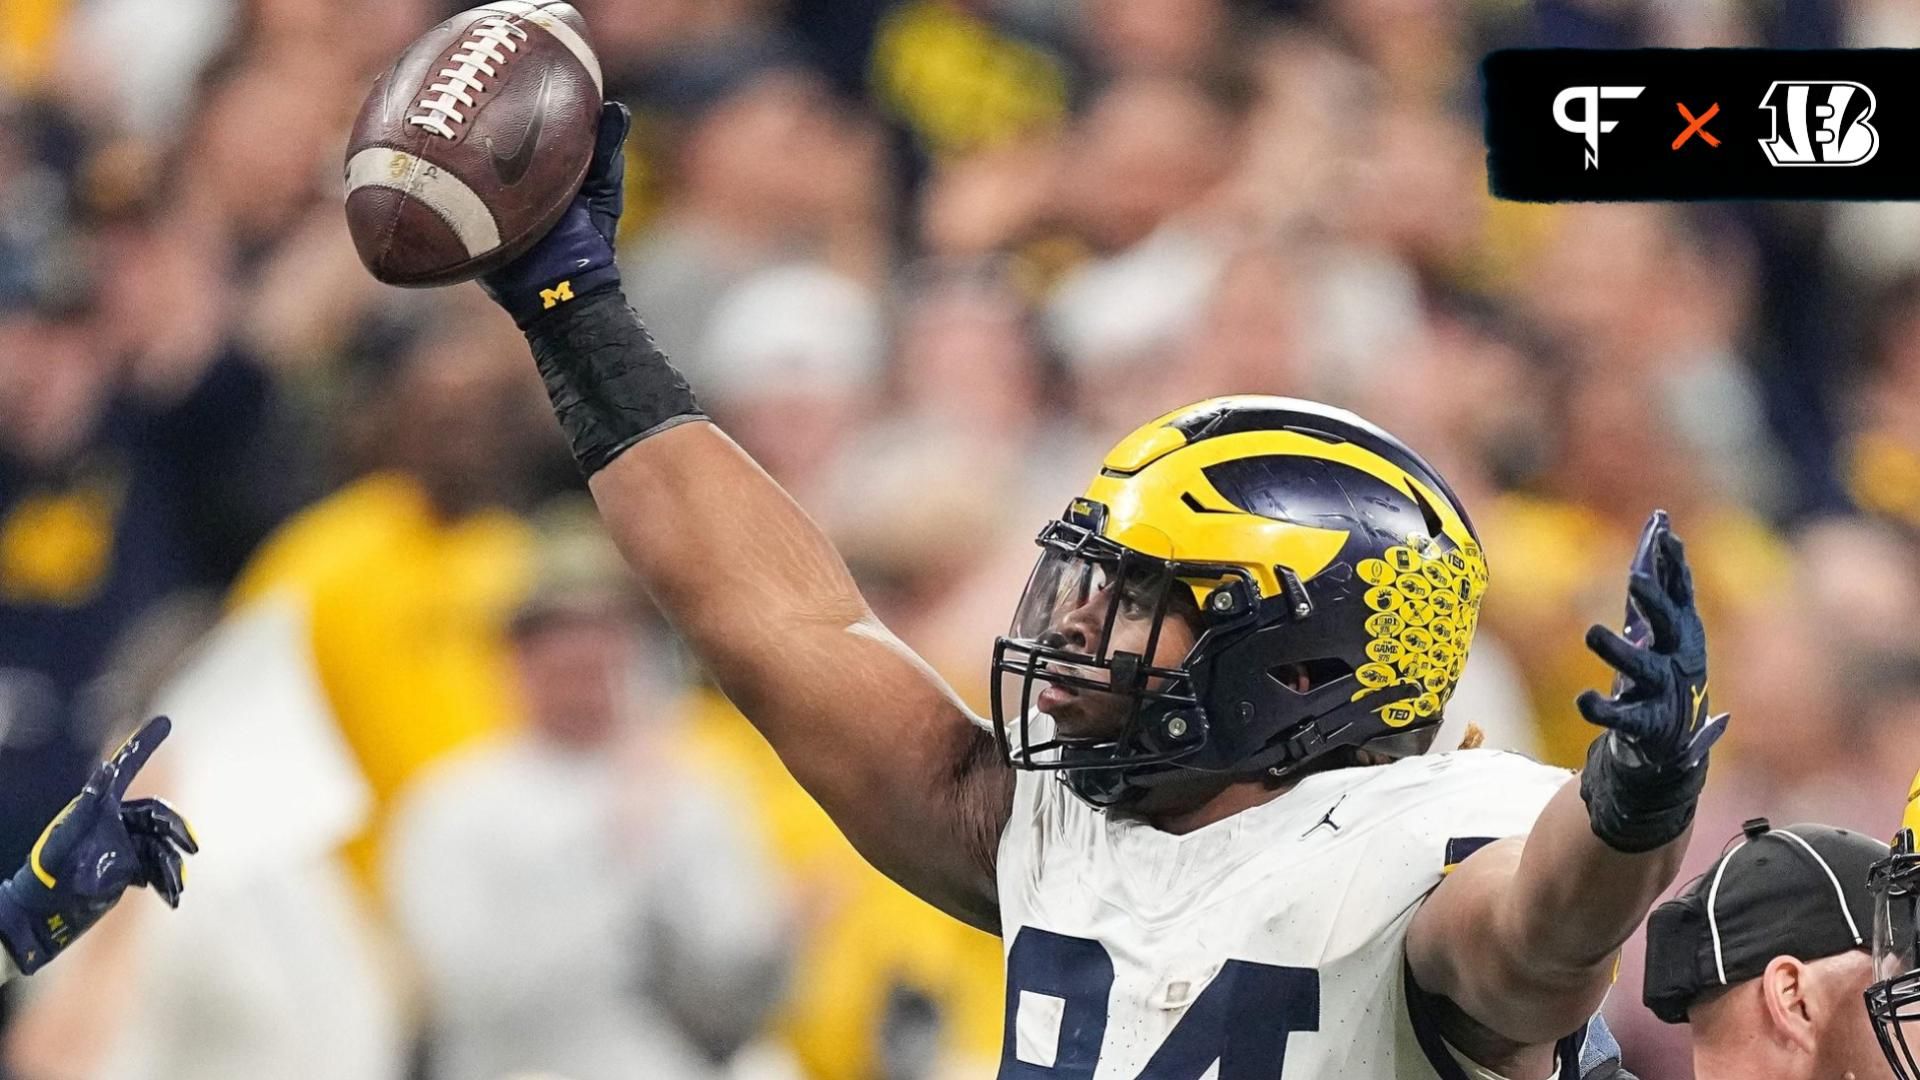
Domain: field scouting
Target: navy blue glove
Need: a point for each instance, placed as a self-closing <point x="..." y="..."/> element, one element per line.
<point x="576" y="257"/>
<point x="1644" y="776"/>
<point x="1658" y="709"/>
<point x="90" y="854"/>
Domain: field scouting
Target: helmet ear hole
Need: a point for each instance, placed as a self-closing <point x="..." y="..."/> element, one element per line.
<point x="1306" y="676"/>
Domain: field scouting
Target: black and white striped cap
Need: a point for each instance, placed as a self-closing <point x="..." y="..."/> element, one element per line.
<point x="1797" y="891"/>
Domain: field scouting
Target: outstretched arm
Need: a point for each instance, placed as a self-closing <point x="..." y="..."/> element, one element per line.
<point x="1523" y="936"/>
<point x="769" y="607"/>
<point x="749" y="580"/>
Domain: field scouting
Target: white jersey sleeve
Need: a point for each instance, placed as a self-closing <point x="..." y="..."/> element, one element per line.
<point x="1271" y="943"/>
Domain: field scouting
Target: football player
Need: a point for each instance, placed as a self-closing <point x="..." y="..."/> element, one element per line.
<point x="1202" y="818"/>
<point x="91" y="853"/>
<point x="1894" y="998"/>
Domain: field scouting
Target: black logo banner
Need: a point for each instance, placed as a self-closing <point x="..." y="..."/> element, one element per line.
<point x="1658" y="124"/>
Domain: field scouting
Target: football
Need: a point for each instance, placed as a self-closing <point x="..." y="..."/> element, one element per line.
<point x="471" y="146"/>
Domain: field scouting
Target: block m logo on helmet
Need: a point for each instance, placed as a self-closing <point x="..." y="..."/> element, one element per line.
<point x="1820" y="123"/>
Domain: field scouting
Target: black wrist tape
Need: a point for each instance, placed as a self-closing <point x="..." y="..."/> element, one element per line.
<point x="610" y="385"/>
<point x="1637" y="808"/>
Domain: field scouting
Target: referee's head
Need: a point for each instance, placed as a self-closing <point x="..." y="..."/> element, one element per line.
<point x="1766" y="955"/>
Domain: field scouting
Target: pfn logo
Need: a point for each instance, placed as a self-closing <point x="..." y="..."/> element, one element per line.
<point x="1825" y="124"/>
<point x="1589" y="125"/>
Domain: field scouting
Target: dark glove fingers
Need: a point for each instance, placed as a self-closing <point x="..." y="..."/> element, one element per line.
<point x="155" y="817"/>
<point x="161" y="867"/>
<point x="1647" y="670"/>
<point x="1663" y="618"/>
<point x="607" y="174"/>
<point x="1599" y="709"/>
<point x="132" y="756"/>
<point x="1646" y="553"/>
<point x="1676" y="574"/>
<point x="609" y="158"/>
<point x="1629" y="718"/>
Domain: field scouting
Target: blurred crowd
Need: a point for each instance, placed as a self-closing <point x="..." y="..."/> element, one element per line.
<point x="469" y="815"/>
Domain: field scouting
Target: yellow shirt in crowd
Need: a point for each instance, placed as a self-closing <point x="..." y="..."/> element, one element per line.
<point x="408" y="615"/>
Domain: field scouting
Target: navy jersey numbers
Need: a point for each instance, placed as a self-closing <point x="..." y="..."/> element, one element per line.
<point x="1241" y="1020"/>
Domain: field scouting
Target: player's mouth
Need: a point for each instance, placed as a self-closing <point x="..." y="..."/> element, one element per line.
<point x="1055" y="695"/>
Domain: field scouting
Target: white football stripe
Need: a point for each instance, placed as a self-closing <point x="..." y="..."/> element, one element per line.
<point x="441" y="191"/>
<point x="542" y="15"/>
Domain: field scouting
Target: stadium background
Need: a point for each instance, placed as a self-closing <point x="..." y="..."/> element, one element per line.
<point x="926" y="259"/>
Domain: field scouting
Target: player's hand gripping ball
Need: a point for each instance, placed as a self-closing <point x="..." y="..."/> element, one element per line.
<point x="473" y="144"/>
<point x="93" y="851"/>
<point x="1658" y="710"/>
<point x="577" y="257"/>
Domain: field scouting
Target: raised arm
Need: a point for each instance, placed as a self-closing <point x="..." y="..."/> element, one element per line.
<point x="751" y="583"/>
<point x="1523" y="936"/>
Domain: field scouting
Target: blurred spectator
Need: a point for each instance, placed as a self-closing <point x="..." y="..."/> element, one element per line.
<point x="790" y="363"/>
<point x="761" y="169"/>
<point x="136" y="61"/>
<point x="1883" y="458"/>
<point x="1158" y="37"/>
<point x="629" y="928"/>
<point x="958" y="80"/>
<point x="1645" y="290"/>
<point x="125" y="474"/>
<point x="408" y="575"/>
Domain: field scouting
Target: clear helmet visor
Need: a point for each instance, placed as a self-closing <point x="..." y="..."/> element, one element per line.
<point x="1097" y="646"/>
<point x="1093" y="606"/>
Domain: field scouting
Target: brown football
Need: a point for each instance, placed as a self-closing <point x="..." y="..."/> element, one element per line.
<point x="471" y="146"/>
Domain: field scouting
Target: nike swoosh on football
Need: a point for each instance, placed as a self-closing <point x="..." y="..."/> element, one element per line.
<point x="512" y="168"/>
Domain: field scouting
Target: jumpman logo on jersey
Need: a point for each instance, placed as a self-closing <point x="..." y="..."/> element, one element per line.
<point x="1327" y="818"/>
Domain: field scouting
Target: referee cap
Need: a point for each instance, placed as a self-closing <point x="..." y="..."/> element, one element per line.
<point x="1797" y="891"/>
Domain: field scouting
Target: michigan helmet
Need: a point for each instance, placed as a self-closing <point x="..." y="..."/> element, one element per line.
<point x="1893" y="1000"/>
<point x="1249" y="584"/>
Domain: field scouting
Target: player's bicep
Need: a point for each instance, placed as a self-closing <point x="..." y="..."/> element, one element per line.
<point x="1465" y="945"/>
<point x="1449" y="938"/>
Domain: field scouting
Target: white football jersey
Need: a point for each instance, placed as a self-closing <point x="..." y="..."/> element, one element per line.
<point x="1266" y="946"/>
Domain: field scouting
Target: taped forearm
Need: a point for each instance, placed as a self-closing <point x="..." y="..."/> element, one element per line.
<point x="609" y="384"/>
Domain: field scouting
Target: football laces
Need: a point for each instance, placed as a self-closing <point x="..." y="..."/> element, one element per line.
<point x="481" y="54"/>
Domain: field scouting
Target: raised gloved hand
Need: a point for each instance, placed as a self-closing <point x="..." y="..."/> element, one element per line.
<point x="1658" y="708"/>
<point x="576" y="257"/>
<point x="1644" y="775"/>
<point x="90" y="854"/>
